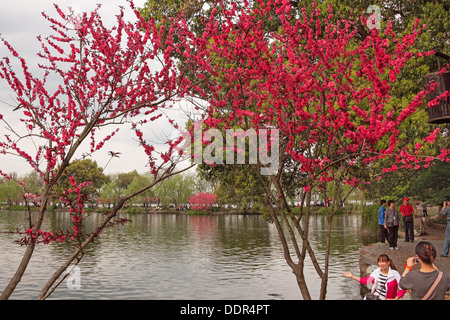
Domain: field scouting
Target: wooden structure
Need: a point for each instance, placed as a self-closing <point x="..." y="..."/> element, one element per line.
<point x="441" y="112"/>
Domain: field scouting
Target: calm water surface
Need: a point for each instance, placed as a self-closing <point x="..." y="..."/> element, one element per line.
<point x="176" y="257"/>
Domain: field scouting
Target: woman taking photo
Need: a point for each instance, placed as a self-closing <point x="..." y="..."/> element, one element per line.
<point x="385" y="280"/>
<point x="428" y="283"/>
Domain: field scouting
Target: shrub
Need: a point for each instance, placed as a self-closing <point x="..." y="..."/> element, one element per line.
<point x="370" y="217"/>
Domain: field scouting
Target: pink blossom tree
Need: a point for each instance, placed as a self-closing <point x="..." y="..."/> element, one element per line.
<point x="202" y="201"/>
<point x="329" y="95"/>
<point x="107" y="77"/>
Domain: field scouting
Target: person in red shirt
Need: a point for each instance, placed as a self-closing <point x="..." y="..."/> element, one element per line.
<point x="408" y="222"/>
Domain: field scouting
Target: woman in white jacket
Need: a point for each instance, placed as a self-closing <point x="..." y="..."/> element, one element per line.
<point x="384" y="279"/>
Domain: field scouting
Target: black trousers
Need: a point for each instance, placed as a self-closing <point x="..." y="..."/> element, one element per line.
<point x="393" y="236"/>
<point x="409" y="229"/>
<point x="383" y="234"/>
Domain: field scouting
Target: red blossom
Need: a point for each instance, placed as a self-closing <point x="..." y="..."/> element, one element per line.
<point x="103" y="84"/>
<point x="202" y="201"/>
<point x="303" y="82"/>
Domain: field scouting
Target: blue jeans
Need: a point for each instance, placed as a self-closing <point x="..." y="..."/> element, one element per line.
<point x="446" y="241"/>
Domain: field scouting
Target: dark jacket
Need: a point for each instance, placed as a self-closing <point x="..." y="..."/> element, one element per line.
<point x="391" y="217"/>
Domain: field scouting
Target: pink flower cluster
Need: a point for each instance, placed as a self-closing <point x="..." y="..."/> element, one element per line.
<point x="103" y="83"/>
<point x="329" y="95"/>
<point x="202" y="201"/>
<point x="40" y="236"/>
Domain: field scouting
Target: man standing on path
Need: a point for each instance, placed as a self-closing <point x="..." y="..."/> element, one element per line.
<point x="407" y="211"/>
<point x="446" y="212"/>
<point x="383" y="230"/>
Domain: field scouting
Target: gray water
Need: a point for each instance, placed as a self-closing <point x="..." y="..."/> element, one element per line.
<point x="177" y="257"/>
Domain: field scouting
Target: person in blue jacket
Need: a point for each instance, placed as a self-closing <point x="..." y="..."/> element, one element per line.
<point x="383" y="230"/>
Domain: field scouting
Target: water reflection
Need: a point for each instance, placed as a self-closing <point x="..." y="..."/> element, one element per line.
<point x="185" y="257"/>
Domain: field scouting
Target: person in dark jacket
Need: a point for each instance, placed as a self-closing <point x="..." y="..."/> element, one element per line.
<point x="391" y="223"/>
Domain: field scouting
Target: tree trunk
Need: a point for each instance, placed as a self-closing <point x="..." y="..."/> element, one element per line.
<point x="30" y="248"/>
<point x="46" y="290"/>
<point x="300" y="277"/>
<point x="19" y="273"/>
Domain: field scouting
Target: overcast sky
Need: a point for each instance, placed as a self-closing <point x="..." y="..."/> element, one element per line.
<point x="20" y="22"/>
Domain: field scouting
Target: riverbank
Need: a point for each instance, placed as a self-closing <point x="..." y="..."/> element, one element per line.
<point x="434" y="233"/>
<point x="217" y="211"/>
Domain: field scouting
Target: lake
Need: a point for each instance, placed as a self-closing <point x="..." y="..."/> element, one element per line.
<point x="177" y="257"/>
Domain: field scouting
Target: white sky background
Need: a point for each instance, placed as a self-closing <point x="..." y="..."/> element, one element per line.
<point x="21" y="22"/>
